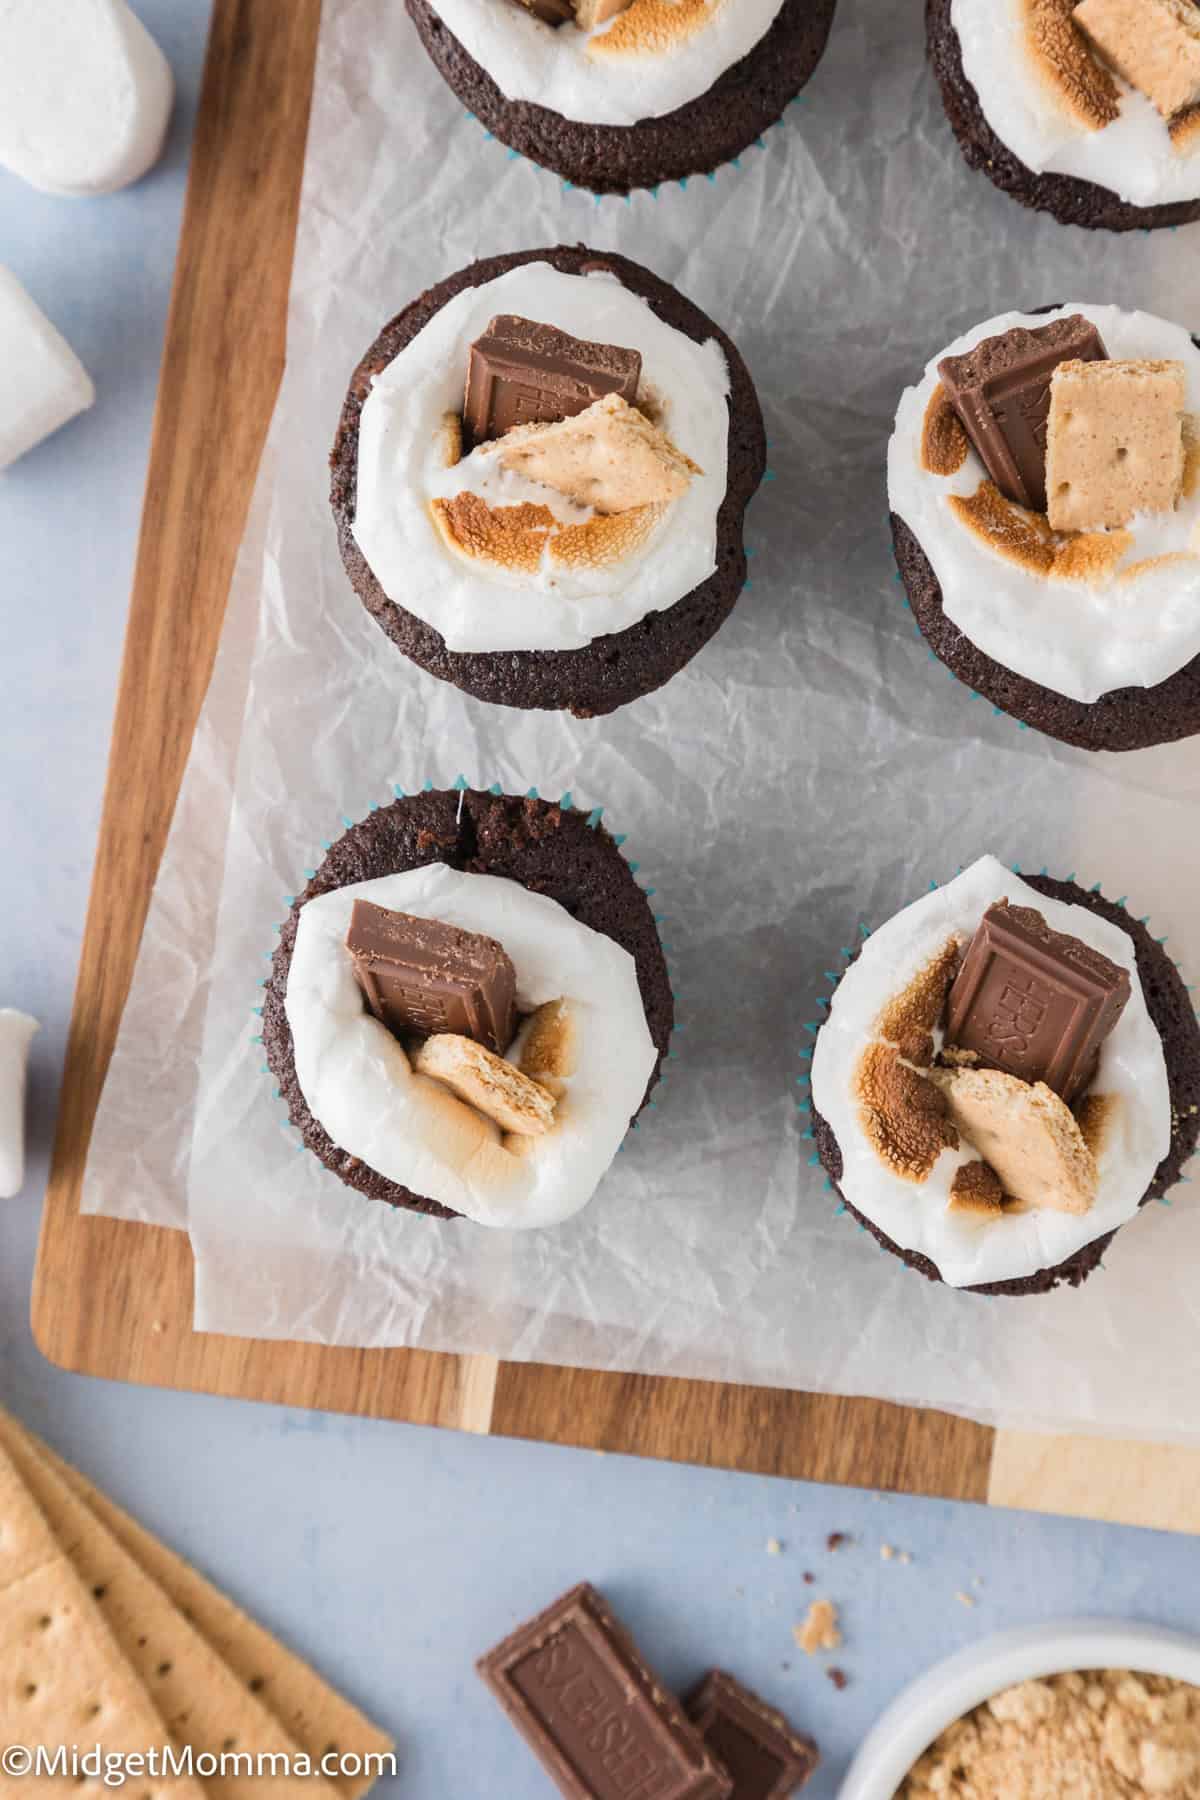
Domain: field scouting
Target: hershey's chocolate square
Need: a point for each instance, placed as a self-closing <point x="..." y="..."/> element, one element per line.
<point x="421" y="977"/>
<point x="551" y="12"/>
<point x="766" y="1759"/>
<point x="523" y="373"/>
<point x="1034" y="1002"/>
<point x="1001" y="392"/>
<point x="603" y="1726"/>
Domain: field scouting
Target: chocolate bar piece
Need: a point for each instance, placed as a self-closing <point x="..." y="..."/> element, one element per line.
<point x="766" y="1759"/>
<point x="523" y="373"/>
<point x="1001" y="392"/>
<point x="1034" y="1002"/>
<point x="551" y="12"/>
<point x="421" y="977"/>
<point x="576" y="1687"/>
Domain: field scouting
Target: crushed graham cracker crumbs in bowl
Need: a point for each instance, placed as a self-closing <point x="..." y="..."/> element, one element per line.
<point x="1117" y="1703"/>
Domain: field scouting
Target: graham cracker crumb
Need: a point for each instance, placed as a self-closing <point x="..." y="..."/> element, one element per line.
<point x="977" y="1190"/>
<point x="451" y="439"/>
<point x="886" y="1552"/>
<point x="1026" y="1133"/>
<point x="1106" y="1733"/>
<point x="908" y="1019"/>
<point x="1153" y="44"/>
<point x="905" y="1557"/>
<point x="902" y="1113"/>
<point x="964" y="1599"/>
<point x="1114" y="442"/>
<point x="1064" y="65"/>
<point x="819" y="1630"/>
<point x="1026" y="538"/>
<point x="774" y="1547"/>
<point x="944" y="441"/>
<point x="839" y="1678"/>
<point x="835" y="1540"/>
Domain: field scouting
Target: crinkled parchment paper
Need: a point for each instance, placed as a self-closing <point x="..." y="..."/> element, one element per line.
<point x="811" y="769"/>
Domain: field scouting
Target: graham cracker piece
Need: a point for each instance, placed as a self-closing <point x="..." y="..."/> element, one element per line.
<point x="1191" y="456"/>
<point x="820" y="1629"/>
<point x="1184" y="130"/>
<point x="945" y="445"/>
<point x="1114" y="444"/>
<point x="201" y="1701"/>
<point x="909" y="1017"/>
<point x="450" y="439"/>
<point x="1026" y="1133"/>
<point x="1064" y="65"/>
<point x="1153" y="44"/>
<point x="310" y="1712"/>
<point x="514" y="537"/>
<point x="63" y="1679"/>
<point x="591" y="13"/>
<point x="652" y="28"/>
<point x="487" y="1082"/>
<point x="547" y="1046"/>
<point x="902" y="1114"/>
<point x="609" y="457"/>
<point x="1026" y="538"/>
<point x="977" y="1190"/>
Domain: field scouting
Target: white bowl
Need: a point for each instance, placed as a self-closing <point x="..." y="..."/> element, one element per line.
<point x="964" y="1681"/>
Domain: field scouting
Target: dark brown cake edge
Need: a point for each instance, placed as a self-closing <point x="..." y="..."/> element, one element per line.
<point x="1130" y="718"/>
<point x="618" y="667"/>
<point x="546" y="846"/>
<point x="1070" y="200"/>
<point x="1173" y="1015"/>
<point x="695" y="139"/>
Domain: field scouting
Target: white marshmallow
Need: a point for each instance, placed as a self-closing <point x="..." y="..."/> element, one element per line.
<point x="16" y="1035"/>
<point x="85" y="94"/>
<point x="42" y="381"/>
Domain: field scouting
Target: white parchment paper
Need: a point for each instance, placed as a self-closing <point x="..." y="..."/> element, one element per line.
<point x="813" y="767"/>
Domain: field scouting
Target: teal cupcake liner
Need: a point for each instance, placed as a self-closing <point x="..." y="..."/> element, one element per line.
<point x="460" y="784"/>
<point x="573" y="187"/>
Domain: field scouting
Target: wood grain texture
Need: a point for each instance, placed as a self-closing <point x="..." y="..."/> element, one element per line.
<point x="115" y="1299"/>
<point x="1098" y="1478"/>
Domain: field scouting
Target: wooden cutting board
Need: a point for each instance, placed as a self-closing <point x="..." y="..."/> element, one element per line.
<point x="115" y="1299"/>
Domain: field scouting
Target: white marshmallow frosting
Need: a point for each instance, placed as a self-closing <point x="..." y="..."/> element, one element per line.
<point x="1133" y="157"/>
<point x="1080" y="640"/>
<point x="557" y="67"/>
<point x="401" y="468"/>
<point x="966" y="1250"/>
<point x="359" y="1084"/>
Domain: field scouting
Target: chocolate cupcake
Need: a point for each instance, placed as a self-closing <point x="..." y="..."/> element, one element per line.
<point x="1086" y="109"/>
<point x="540" y="476"/>
<point x="621" y="94"/>
<point x="1044" y="485"/>
<point x="1008" y="1070"/>
<point x="468" y="1006"/>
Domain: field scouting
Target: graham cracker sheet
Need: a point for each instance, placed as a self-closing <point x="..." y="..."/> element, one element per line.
<point x="65" y="1681"/>
<point x="811" y="771"/>
<point x="220" y="1681"/>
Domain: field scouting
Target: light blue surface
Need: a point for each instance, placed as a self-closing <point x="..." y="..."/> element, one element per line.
<point x="393" y="1555"/>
